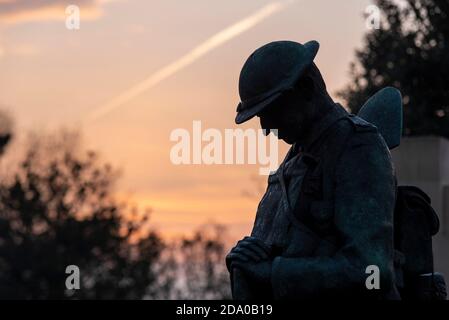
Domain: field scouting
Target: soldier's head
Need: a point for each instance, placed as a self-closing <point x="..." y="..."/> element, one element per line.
<point x="281" y="85"/>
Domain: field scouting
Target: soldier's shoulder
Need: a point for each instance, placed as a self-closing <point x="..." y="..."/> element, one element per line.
<point x="361" y="125"/>
<point x="365" y="133"/>
<point x="354" y="125"/>
<point x="355" y="128"/>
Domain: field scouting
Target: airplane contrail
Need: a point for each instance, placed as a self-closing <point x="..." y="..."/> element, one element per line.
<point x="190" y="57"/>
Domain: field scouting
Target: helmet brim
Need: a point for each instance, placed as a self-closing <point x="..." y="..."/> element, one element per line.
<point x="249" y="112"/>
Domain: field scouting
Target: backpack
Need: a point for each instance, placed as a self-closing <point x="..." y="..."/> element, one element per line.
<point x="415" y="222"/>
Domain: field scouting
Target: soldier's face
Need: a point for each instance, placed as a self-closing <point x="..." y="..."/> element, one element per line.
<point x="288" y="115"/>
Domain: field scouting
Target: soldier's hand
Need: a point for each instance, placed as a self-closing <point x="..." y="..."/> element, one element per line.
<point x="259" y="272"/>
<point x="249" y="249"/>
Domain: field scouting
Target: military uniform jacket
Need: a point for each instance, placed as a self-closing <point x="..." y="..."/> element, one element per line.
<point x="327" y="213"/>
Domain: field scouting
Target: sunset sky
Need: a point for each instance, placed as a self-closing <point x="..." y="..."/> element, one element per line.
<point x="138" y="69"/>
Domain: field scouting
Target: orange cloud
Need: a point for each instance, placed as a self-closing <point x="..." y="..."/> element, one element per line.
<point x="17" y="11"/>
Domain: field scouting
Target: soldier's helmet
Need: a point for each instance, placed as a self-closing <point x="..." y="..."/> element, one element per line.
<point x="269" y="71"/>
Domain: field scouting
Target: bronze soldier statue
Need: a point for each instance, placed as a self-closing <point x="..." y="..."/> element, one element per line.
<point x="327" y="214"/>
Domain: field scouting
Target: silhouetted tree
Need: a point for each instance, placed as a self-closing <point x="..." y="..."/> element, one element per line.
<point x="57" y="210"/>
<point x="198" y="265"/>
<point x="410" y="51"/>
<point x="5" y="130"/>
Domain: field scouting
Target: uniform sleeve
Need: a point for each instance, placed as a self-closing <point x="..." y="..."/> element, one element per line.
<point x="363" y="215"/>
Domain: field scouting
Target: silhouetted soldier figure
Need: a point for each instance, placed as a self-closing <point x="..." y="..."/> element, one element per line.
<point x="327" y="213"/>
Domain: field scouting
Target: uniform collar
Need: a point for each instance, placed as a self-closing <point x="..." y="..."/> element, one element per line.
<point x="335" y="113"/>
